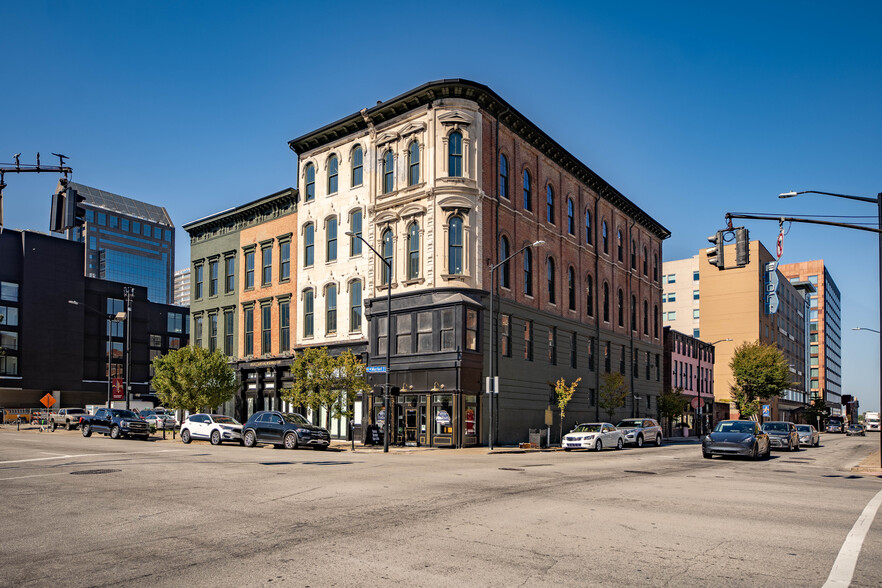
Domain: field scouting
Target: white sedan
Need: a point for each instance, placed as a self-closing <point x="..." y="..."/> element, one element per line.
<point x="217" y="428"/>
<point x="594" y="436"/>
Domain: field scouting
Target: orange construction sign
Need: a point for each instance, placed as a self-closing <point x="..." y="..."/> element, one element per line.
<point x="47" y="400"/>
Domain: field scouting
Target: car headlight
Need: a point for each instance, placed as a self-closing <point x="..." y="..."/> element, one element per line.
<point x="226" y="427"/>
<point x="300" y="430"/>
<point x="588" y="437"/>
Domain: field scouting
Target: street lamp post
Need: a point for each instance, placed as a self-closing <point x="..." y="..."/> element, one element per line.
<point x="388" y="339"/>
<point x="129" y="293"/>
<point x="120" y="316"/>
<point x="878" y="202"/>
<point x="495" y="392"/>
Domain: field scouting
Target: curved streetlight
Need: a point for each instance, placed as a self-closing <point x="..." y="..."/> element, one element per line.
<point x="878" y="202"/>
<point x="864" y="329"/>
<point x="388" y="265"/>
<point x="495" y="392"/>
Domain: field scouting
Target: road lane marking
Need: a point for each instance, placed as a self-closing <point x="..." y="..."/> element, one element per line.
<point x="843" y="567"/>
<point x="87" y="455"/>
<point x="33" y="476"/>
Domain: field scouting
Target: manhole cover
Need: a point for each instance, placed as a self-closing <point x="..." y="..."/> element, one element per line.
<point x="92" y="472"/>
<point x="640" y="472"/>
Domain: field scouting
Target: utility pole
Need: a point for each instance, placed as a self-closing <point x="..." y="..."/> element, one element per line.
<point x="129" y="293"/>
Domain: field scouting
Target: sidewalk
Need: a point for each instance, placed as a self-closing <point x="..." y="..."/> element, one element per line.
<point x="871" y="465"/>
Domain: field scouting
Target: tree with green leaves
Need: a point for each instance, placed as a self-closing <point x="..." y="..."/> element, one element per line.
<point x="563" y="393"/>
<point x="671" y="404"/>
<point x="817" y="412"/>
<point x="349" y="380"/>
<point x="193" y="378"/>
<point x="612" y="394"/>
<point x="761" y="372"/>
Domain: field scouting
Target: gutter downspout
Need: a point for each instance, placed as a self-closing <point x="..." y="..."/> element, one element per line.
<point x="634" y="316"/>
<point x="596" y="317"/>
<point x="493" y="283"/>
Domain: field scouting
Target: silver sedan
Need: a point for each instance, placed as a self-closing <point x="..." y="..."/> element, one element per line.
<point x="808" y="435"/>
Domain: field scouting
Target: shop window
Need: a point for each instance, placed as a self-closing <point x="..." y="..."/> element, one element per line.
<point x="471" y="329"/>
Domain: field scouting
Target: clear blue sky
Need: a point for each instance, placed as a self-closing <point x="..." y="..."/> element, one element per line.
<point x="691" y="109"/>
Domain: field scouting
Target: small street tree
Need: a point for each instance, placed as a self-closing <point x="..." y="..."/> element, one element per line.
<point x="761" y="372"/>
<point x="193" y="378"/>
<point x="563" y="393"/>
<point x="612" y="394"/>
<point x="817" y="413"/>
<point x="672" y="403"/>
<point x="312" y="372"/>
<point x="349" y="380"/>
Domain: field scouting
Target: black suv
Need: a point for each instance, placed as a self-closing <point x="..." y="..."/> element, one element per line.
<point x="287" y="429"/>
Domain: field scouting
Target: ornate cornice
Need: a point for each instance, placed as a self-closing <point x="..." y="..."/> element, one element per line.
<point x="240" y="217"/>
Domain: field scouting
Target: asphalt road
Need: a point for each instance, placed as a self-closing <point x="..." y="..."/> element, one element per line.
<point x="96" y="512"/>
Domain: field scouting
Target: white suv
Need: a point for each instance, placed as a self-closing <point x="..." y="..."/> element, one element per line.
<point x="217" y="428"/>
<point x="640" y="431"/>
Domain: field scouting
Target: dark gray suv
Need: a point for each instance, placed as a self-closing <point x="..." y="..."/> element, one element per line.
<point x="782" y="435"/>
<point x="283" y="429"/>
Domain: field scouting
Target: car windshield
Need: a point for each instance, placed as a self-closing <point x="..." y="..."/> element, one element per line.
<point x="294" y="418"/>
<point x="782" y="427"/>
<point x="147" y="413"/>
<point x="853" y="427"/>
<point x="589" y="428"/>
<point x="804" y="428"/>
<point x="630" y="423"/>
<point x="124" y="414"/>
<point x="225" y="420"/>
<point x="733" y="427"/>
<point x="75" y="411"/>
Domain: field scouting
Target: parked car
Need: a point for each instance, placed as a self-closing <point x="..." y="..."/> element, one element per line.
<point x="640" y="431"/>
<point x="159" y="420"/>
<point x="217" y="428"/>
<point x="115" y="422"/>
<point x="782" y="434"/>
<point x="745" y="438"/>
<point x="808" y="435"/>
<point x="283" y="429"/>
<point x="594" y="436"/>
<point x="835" y="425"/>
<point x="855" y="429"/>
<point x="67" y="417"/>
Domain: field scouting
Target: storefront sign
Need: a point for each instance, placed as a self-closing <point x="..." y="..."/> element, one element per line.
<point x="381" y="418"/>
<point x="443" y="417"/>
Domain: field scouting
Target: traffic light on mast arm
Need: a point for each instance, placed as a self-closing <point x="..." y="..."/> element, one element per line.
<point x="75" y="215"/>
<point x="59" y="209"/>
<point x="715" y="253"/>
<point x="742" y="247"/>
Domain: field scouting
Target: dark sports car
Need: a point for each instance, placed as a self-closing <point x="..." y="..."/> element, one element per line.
<point x="736" y="438"/>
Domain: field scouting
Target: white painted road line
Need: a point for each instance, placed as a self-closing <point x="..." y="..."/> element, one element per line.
<point x="33" y="476"/>
<point x="843" y="567"/>
<point x="88" y="455"/>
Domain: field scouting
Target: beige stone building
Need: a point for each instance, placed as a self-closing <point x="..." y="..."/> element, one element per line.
<point x="680" y="295"/>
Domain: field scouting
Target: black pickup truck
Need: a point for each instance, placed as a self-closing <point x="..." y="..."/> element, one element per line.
<point x="115" y="422"/>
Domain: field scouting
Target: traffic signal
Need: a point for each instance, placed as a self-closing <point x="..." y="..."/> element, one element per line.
<point x="75" y="215"/>
<point x="742" y="249"/>
<point x="58" y="210"/>
<point x="715" y="253"/>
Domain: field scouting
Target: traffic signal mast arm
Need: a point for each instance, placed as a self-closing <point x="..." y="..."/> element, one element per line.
<point x="731" y="215"/>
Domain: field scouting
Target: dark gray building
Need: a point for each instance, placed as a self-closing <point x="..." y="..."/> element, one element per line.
<point x="127" y="241"/>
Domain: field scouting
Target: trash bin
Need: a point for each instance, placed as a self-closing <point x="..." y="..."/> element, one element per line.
<point x="538" y="437"/>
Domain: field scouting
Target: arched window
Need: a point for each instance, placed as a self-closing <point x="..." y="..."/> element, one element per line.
<point x="308" y="313"/>
<point x="605" y="302"/>
<point x="333" y="166"/>
<point x="620" y="247"/>
<point x="589" y="296"/>
<point x="388" y="172"/>
<point x="655" y="267"/>
<point x="357" y="166"/>
<point x="645" y="262"/>
<point x="331" y="239"/>
<point x="331" y="309"/>
<point x="413" y="164"/>
<point x="310" y="183"/>
<point x="633" y="312"/>
<point x="604" y="230"/>
<point x="645" y="317"/>
<point x="549" y="204"/>
<point x="549" y="266"/>
<point x="413" y="251"/>
<point x="309" y="244"/>
<point x="355" y="229"/>
<point x="528" y="194"/>
<point x="387" y="257"/>
<point x="655" y="320"/>
<point x="355" y="306"/>
<point x="633" y="255"/>
<point x="503" y="176"/>
<point x="528" y="272"/>
<point x="588" y="236"/>
<point x="454" y="155"/>
<point x="571" y="218"/>
<point x="571" y="286"/>
<point x="454" y="246"/>
<point x="504" y="252"/>
<point x="621" y="307"/>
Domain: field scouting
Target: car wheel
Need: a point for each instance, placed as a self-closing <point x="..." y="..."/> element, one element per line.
<point x="620" y="443"/>
<point x="789" y="445"/>
<point x="658" y="440"/>
<point x="639" y="440"/>
<point x="185" y="436"/>
<point x="818" y="442"/>
<point x="114" y="432"/>
<point x="248" y="439"/>
<point x="706" y="455"/>
<point x="798" y="447"/>
<point x="70" y="427"/>
<point x="291" y="441"/>
<point x="87" y="430"/>
<point x="598" y="445"/>
<point x="754" y="452"/>
<point x="215" y="438"/>
<point x="54" y="426"/>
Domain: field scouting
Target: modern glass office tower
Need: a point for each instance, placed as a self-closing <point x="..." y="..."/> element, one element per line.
<point x="128" y="241"/>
